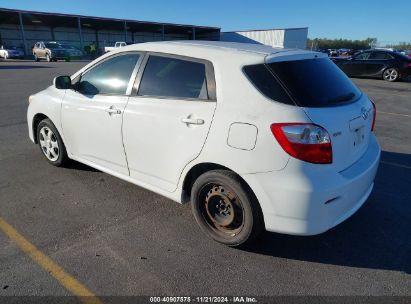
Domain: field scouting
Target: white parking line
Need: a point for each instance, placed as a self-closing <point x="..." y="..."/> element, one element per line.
<point x="395" y="165"/>
<point x="396" y="114"/>
<point x="387" y="94"/>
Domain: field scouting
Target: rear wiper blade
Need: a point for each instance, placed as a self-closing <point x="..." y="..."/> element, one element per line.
<point x="342" y="98"/>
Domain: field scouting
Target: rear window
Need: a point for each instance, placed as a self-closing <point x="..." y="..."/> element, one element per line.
<point x="315" y="82"/>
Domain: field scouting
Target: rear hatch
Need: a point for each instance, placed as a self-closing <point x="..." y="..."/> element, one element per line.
<point x="330" y="99"/>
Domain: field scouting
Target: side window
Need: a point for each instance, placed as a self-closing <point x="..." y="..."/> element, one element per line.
<point x="362" y="56"/>
<point x="389" y="56"/>
<point x="380" y="56"/>
<point x="170" y="77"/>
<point x="109" y="77"/>
<point x="266" y="83"/>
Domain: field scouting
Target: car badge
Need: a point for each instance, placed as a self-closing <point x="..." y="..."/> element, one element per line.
<point x="364" y="113"/>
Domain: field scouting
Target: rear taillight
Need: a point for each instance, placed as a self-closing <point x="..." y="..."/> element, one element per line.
<point x="374" y="116"/>
<point x="307" y="142"/>
<point x="408" y="65"/>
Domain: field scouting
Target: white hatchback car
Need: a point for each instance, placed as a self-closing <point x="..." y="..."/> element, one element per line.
<point x="254" y="137"/>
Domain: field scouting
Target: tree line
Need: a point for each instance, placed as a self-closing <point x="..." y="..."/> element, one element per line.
<point x="324" y="43"/>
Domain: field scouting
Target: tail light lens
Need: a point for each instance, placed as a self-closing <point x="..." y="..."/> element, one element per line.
<point x="307" y="142"/>
<point x="374" y="116"/>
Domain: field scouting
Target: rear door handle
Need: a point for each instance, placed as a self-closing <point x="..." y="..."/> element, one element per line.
<point x="193" y="121"/>
<point x="113" y="110"/>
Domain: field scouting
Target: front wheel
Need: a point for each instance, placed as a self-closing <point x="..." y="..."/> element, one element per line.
<point x="224" y="208"/>
<point x="51" y="144"/>
<point x="391" y="75"/>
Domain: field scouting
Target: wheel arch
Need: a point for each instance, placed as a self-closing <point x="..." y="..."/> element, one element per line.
<point x="35" y="123"/>
<point x="201" y="168"/>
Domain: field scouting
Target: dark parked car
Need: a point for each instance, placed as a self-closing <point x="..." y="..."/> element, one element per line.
<point x="390" y="66"/>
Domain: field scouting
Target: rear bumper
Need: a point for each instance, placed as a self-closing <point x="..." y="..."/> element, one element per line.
<point x="303" y="201"/>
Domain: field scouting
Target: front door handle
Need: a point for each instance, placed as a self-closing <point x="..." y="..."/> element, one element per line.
<point x="113" y="110"/>
<point x="193" y="121"/>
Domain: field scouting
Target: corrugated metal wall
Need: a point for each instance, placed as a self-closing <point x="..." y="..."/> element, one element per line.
<point x="296" y="38"/>
<point x="283" y="38"/>
<point x="11" y="35"/>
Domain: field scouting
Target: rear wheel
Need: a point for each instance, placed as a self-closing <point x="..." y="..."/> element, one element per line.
<point x="224" y="209"/>
<point x="391" y="74"/>
<point x="51" y="144"/>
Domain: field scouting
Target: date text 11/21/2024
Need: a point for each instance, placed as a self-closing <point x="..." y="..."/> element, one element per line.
<point x="235" y="299"/>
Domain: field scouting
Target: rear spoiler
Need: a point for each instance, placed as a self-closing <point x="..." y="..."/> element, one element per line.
<point x="293" y="55"/>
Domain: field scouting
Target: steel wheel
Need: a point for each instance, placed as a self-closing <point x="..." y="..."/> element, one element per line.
<point x="225" y="208"/>
<point x="390" y="74"/>
<point x="222" y="209"/>
<point x="49" y="144"/>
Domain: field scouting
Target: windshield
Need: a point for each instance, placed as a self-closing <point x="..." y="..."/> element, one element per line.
<point x="315" y="82"/>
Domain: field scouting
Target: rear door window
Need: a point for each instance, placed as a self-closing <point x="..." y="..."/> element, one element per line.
<point x="173" y="78"/>
<point x="380" y="56"/>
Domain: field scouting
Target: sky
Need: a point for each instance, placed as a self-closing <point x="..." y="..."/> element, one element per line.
<point x="389" y="21"/>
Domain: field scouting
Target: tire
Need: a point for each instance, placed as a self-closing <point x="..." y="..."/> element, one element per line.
<point x="391" y="75"/>
<point x="51" y="144"/>
<point x="36" y="59"/>
<point x="48" y="59"/>
<point x="225" y="210"/>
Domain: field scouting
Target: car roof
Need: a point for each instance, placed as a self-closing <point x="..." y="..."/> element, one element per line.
<point x="211" y="48"/>
<point x="218" y="52"/>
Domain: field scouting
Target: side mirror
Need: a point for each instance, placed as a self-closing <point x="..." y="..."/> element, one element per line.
<point x="62" y="82"/>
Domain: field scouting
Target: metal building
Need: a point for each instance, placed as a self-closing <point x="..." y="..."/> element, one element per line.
<point x="283" y="38"/>
<point x="24" y="28"/>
